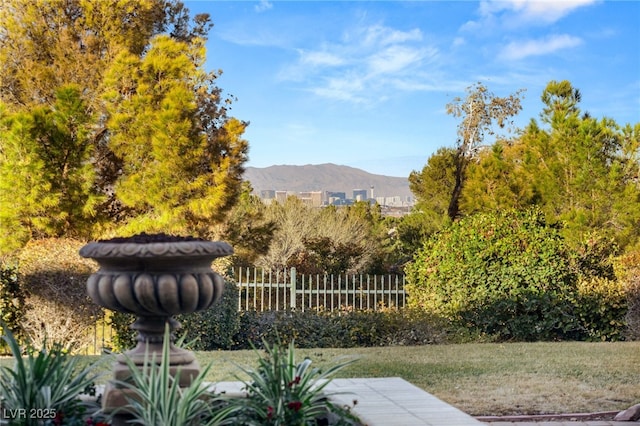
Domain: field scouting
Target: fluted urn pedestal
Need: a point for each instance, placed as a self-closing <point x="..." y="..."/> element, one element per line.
<point x="154" y="277"/>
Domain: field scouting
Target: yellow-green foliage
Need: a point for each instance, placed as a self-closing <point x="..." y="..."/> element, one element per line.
<point x="602" y="305"/>
<point x="512" y="276"/>
<point x="628" y="274"/>
<point x="54" y="276"/>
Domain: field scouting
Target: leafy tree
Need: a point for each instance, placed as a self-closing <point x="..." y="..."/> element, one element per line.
<point x="479" y="110"/>
<point x="433" y="187"/>
<point x="322" y="255"/>
<point x="580" y="170"/>
<point x="247" y="228"/>
<point x="47" y="45"/>
<point x="497" y="180"/>
<point x="406" y="235"/>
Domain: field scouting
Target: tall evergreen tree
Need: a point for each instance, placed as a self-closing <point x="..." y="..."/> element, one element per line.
<point x="46" y="47"/>
<point x="578" y="166"/>
<point x="581" y="171"/>
<point x="432" y="187"/>
<point x="46" y="178"/>
<point x="175" y="176"/>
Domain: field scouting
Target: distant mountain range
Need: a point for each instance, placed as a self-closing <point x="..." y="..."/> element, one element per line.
<point x="325" y="177"/>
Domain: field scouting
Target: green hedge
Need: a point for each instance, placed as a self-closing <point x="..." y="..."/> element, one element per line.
<point x="215" y="327"/>
<point x="510" y="275"/>
<point x="340" y="329"/>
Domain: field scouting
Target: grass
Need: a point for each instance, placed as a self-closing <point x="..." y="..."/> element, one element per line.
<point x="491" y="379"/>
<point x="487" y="379"/>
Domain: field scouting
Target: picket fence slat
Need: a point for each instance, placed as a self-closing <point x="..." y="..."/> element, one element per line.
<point x="266" y="290"/>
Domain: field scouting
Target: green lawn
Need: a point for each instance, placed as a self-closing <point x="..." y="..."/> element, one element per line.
<point x="492" y="379"/>
<point x="488" y="379"/>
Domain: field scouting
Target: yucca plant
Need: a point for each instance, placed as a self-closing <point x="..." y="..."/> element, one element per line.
<point x="282" y="391"/>
<point x="43" y="384"/>
<point x="158" y="399"/>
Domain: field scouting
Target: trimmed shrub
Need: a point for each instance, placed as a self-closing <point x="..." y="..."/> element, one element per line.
<point x="309" y="329"/>
<point x="511" y="276"/>
<point x="506" y="275"/>
<point x="346" y="328"/>
<point x="123" y="337"/>
<point x="601" y="305"/>
<point x="215" y="327"/>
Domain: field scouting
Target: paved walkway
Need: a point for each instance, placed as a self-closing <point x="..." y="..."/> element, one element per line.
<point x="396" y="402"/>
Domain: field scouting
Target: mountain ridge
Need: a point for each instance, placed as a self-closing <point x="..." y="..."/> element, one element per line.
<point x="324" y="177"/>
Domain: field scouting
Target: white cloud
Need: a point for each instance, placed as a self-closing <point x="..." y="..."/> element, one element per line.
<point x="263" y="6"/>
<point x="516" y="13"/>
<point x="394" y="59"/>
<point x="347" y="88"/>
<point x="320" y="58"/>
<point x="362" y="64"/>
<point x="459" y="41"/>
<point x="548" y="11"/>
<point x="551" y="44"/>
<point x="378" y="35"/>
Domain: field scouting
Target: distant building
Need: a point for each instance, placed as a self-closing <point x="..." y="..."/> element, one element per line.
<point x="360" y="195"/>
<point x="267" y="194"/>
<point x="281" y="196"/>
<point x="340" y="195"/>
<point x="312" y="198"/>
<point x="336" y="198"/>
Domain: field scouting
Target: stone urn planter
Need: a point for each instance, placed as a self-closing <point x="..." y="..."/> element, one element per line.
<point x="154" y="277"/>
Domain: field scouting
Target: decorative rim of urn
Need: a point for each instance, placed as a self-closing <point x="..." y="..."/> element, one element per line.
<point x="150" y="246"/>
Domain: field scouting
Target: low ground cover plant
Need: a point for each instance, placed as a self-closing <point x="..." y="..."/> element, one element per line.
<point x="282" y="391"/>
<point x="44" y="386"/>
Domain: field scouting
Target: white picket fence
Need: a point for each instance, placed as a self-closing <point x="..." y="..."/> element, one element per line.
<point x="265" y="290"/>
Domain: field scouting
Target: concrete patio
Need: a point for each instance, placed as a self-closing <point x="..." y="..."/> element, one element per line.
<point x="386" y="402"/>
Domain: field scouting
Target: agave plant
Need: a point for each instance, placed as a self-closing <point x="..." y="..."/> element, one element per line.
<point x="282" y="391"/>
<point x="158" y="399"/>
<point x="44" y="385"/>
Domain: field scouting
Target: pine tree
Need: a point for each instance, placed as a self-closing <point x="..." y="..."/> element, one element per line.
<point x="46" y="177"/>
<point x="179" y="144"/>
<point x="175" y="176"/>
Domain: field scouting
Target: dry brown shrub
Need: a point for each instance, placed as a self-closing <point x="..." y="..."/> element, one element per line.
<point x="54" y="277"/>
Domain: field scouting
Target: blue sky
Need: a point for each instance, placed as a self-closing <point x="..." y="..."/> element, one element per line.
<point x="365" y="84"/>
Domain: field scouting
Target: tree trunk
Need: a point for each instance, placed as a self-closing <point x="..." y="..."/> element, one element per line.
<point x="454" y="203"/>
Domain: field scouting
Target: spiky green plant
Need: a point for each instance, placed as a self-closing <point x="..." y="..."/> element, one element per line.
<point x="43" y="383"/>
<point x="282" y="391"/>
<point x="158" y="399"/>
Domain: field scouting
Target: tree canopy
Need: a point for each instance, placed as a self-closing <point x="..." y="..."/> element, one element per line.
<point x="582" y="172"/>
<point x="109" y="122"/>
